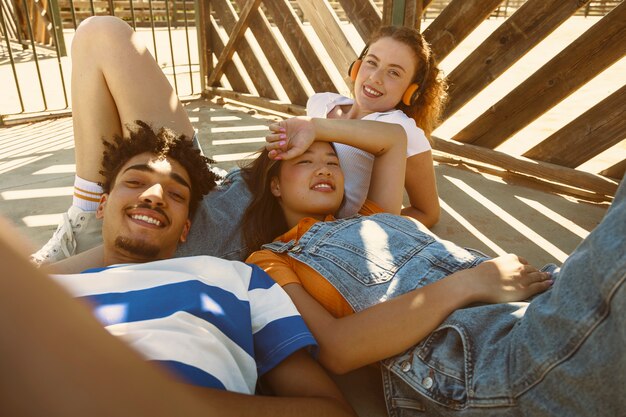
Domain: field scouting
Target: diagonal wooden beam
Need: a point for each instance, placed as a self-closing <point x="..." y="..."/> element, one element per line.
<point x="325" y="24"/>
<point x="528" y="26"/>
<point x="228" y="18"/>
<point x="455" y="22"/>
<point x="616" y="171"/>
<point x="365" y="17"/>
<point x="235" y="37"/>
<point x="276" y="56"/>
<point x="599" y="128"/>
<point x="290" y="27"/>
<point x="232" y="73"/>
<point x="594" y="51"/>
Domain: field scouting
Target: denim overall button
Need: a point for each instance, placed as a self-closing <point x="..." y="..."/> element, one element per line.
<point x="405" y="366"/>
<point x="295" y="249"/>
<point x="427" y="382"/>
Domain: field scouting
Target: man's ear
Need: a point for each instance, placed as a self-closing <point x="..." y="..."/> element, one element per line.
<point x="275" y="187"/>
<point x="186" y="227"/>
<point x="101" y="204"/>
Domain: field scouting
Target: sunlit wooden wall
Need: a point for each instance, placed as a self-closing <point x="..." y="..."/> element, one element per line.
<point x="271" y="42"/>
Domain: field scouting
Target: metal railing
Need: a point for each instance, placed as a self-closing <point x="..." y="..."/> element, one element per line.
<point x="34" y="41"/>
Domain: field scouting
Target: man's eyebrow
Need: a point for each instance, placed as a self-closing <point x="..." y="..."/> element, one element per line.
<point x="147" y="168"/>
<point x="391" y="65"/>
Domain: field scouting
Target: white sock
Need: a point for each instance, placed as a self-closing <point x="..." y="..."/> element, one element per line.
<point x="86" y="194"/>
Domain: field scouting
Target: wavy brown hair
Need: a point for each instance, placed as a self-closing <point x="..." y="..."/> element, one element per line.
<point x="162" y="143"/>
<point x="264" y="219"/>
<point x="426" y="111"/>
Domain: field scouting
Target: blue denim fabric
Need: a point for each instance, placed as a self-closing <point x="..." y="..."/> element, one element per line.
<point x="561" y="354"/>
<point x="216" y="226"/>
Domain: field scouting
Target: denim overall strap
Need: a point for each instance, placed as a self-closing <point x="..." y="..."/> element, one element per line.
<point x="375" y="258"/>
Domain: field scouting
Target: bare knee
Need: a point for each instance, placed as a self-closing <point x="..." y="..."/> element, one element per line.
<point x="99" y="33"/>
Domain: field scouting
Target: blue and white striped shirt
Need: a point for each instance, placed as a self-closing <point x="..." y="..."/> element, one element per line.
<point x="216" y="323"/>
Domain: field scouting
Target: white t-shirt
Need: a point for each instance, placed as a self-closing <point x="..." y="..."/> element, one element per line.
<point x="355" y="163"/>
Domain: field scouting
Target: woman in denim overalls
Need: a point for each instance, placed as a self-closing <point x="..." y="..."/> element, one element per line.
<point x="446" y="323"/>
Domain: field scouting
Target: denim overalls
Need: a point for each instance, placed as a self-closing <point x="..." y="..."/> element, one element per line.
<point x="541" y="358"/>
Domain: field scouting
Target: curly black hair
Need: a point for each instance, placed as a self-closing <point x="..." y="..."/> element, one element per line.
<point x="162" y="143"/>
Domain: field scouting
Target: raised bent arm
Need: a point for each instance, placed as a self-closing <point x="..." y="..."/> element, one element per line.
<point x="386" y="141"/>
<point x="421" y="187"/>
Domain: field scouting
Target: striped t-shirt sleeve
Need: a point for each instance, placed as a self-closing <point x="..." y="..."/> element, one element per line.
<point x="278" y="329"/>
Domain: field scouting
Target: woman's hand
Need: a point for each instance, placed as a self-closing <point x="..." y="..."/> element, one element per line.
<point x="290" y="138"/>
<point x="505" y="279"/>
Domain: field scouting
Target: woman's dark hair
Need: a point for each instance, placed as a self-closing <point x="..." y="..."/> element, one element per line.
<point x="426" y="111"/>
<point x="163" y="143"/>
<point x="264" y="219"/>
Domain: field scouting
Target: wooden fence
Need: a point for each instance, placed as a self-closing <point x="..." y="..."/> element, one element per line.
<point x="282" y="52"/>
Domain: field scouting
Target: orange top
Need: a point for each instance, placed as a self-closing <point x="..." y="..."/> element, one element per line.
<point x="286" y="270"/>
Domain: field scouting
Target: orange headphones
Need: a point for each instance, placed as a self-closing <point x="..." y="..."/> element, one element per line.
<point x="410" y="95"/>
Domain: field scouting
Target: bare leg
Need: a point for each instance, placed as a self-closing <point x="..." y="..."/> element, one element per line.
<point x="116" y="81"/>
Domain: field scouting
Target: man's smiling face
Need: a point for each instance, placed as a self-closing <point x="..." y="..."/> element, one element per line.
<point x="146" y="213"/>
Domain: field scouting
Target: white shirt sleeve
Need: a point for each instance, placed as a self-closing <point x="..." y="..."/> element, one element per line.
<point x="416" y="139"/>
<point x="318" y="104"/>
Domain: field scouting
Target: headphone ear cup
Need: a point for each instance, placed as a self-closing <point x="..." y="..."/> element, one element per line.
<point x="411" y="94"/>
<point x="354" y="69"/>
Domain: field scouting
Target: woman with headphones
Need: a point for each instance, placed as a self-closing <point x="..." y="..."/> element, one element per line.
<point x="395" y="80"/>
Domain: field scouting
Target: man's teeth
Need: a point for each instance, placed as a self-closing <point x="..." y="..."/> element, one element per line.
<point x="373" y="92"/>
<point x="322" y="186"/>
<point x="146" y="219"/>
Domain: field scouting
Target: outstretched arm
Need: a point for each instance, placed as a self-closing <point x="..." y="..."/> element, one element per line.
<point x="391" y="327"/>
<point x="386" y="141"/>
<point x="57" y="360"/>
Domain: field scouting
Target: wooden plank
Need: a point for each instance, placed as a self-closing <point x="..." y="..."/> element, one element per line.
<point x="617" y="171"/>
<point x="232" y="73"/>
<point x="276" y="56"/>
<point x="261" y="102"/>
<point x="596" y="49"/>
<point x="599" y="128"/>
<point x="519" y="178"/>
<point x="365" y="17"/>
<point x="235" y="36"/>
<point x="204" y="37"/>
<point x="254" y="68"/>
<point x="455" y="22"/>
<point x="545" y="170"/>
<point x="325" y="24"/>
<point x="531" y="23"/>
<point x="387" y="11"/>
<point x="290" y="27"/>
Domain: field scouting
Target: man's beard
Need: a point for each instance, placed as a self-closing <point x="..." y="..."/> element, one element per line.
<point x="137" y="248"/>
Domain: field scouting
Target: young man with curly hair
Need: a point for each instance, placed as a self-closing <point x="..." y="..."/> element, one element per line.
<point x="217" y="326"/>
